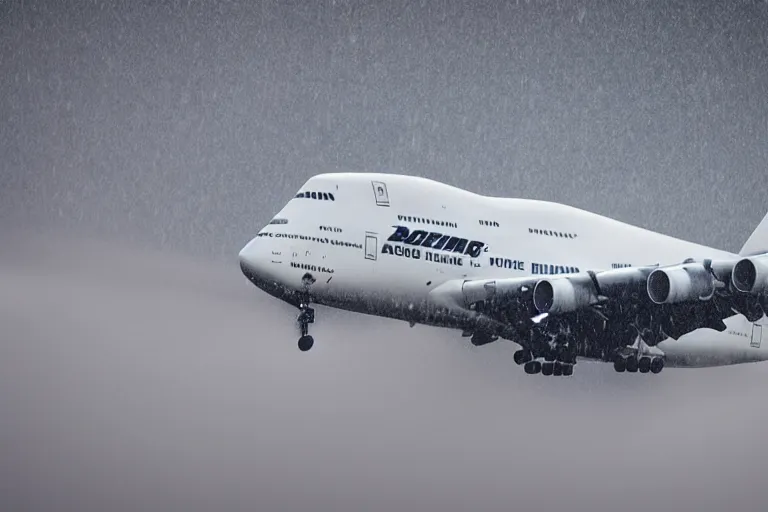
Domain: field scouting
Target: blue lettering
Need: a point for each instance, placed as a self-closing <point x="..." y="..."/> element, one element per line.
<point x="439" y="241"/>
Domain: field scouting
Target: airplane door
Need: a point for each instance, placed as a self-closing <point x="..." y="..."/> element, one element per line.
<point x="757" y="335"/>
<point x="371" y="246"/>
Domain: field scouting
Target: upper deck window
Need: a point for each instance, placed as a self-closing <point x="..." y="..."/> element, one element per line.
<point x="278" y="221"/>
<point x="324" y="196"/>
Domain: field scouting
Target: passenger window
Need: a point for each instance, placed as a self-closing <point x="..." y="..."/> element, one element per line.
<point x="323" y="196"/>
<point x="278" y="221"/>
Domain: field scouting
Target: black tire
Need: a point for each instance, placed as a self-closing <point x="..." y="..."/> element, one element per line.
<point x="522" y="357"/>
<point x="567" y="370"/>
<point x="644" y="366"/>
<point x="632" y="364"/>
<point x="306" y="342"/>
<point x="547" y="368"/>
<point x="557" y="371"/>
<point x="620" y="365"/>
<point x="657" y="364"/>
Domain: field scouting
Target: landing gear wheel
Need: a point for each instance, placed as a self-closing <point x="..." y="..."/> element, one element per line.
<point x="306" y="342"/>
<point x="657" y="364"/>
<point x="522" y="357"/>
<point x="557" y="371"/>
<point x="567" y="370"/>
<point x="532" y="367"/>
<point x="547" y="368"/>
<point x="644" y="365"/>
<point x="632" y="364"/>
<point x="620" y="364"/>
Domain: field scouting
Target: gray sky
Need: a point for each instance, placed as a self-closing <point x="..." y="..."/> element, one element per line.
<point x="140" y="371"/>
<point x="188" y="124"/>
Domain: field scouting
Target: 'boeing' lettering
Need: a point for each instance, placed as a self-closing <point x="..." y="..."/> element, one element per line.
<point x="436" y="240"/>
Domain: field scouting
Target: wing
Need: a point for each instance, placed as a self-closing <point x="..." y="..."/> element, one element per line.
<point x="594" y="314"/>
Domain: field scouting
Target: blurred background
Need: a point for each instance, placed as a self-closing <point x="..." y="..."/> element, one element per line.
<point x="142" y="144"/>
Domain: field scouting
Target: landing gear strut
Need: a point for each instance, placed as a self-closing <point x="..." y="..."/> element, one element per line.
<point x="306" y="316"/>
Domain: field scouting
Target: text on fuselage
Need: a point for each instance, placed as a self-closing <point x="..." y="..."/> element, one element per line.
<point x="313" y="268"/>
<point x="416" y="253"/>
<point x="436" y="240"/>
<point x="507" y="263"/>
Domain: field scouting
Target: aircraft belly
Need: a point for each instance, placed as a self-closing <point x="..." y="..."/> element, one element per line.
<point x="707" y="348"/>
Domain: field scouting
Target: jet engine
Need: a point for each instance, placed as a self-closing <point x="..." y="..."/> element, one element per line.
<point x="750" y="275"/>
<point x="569" y="293"/>
<point x="564" y="294"/>
<point x="681" y="283"/>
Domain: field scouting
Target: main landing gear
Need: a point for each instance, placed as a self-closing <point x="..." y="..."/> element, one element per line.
<point x="638" y="359"/>
<point x="560" y="365"/>
<point x="634" y="363"/>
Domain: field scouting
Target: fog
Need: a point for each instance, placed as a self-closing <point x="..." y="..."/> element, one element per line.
<point x="142" y="145"/>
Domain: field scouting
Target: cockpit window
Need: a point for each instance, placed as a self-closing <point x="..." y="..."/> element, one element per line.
<point x="278" y="221"/>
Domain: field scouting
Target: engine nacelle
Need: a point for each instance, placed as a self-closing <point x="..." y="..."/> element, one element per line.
<point x="460" y="294"/>
<point x="485" y="290"/>
<point x="750" y="275"/>
<point x="564" y="294"/>
<point x="690" y="281"/>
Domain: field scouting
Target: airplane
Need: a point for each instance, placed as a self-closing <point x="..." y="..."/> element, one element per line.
<point x="562" y="283"/>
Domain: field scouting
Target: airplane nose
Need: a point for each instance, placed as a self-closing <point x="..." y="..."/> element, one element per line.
<point x="249" y="259"/>
<point x="259" y="266"/>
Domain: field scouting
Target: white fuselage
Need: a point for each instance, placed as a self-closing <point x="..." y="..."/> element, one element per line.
<point x="351" y="233"/>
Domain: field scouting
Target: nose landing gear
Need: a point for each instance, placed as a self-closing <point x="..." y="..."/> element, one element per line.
<point x="306" y="315"/>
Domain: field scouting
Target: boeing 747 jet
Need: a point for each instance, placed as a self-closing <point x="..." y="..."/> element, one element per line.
<point x="562" y="283"/>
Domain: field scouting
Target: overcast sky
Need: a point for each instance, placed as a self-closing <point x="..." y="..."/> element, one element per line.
<point x="190" y="123"/>
<point x="140" y="371"/>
